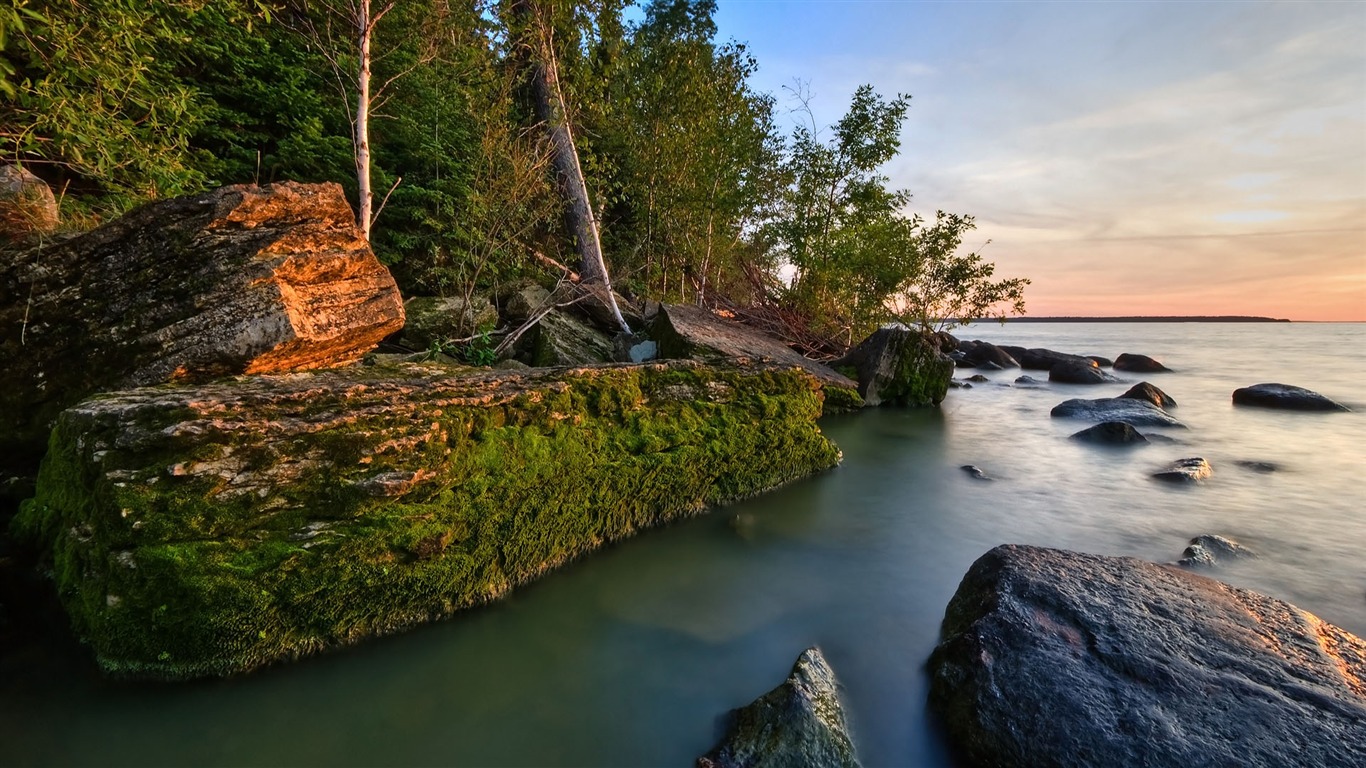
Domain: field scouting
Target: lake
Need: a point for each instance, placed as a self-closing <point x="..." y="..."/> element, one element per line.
<point x="631" y="656"/>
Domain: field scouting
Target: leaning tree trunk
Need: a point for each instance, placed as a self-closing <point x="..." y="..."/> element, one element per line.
<point x="552" y="113"/>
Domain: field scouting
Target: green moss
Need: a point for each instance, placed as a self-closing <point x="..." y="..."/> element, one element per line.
<point x="169" y="572"/>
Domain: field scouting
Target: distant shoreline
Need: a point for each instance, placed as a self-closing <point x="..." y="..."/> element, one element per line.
<point x="1152" y="319"/>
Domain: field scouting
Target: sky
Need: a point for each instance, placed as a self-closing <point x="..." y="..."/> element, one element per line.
<point x="1130" y="158"/>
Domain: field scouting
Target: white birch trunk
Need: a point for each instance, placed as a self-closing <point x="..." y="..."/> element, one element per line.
<point x="362" y="137"/>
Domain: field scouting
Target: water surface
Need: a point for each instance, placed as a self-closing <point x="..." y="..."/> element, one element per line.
<point x="630" y="656"/>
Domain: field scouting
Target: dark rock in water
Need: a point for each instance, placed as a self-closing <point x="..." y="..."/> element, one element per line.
<point x="242" y="279"/>
<point x="899" y="367"/>
<point x="978" y="379"/>
<point x="1140" y="413"/>
<point x="1139" y="364"/>
<point x="1264" y="467"/>
<point x="1112" y="433"/>
<point x="990" y="366"/>
<point x="1158" y="437"/>
<point x="1207" y="550"/>
<point x="1044" y="359"/>
<point x="1185" y="471"/>
<point x="1285" y="397"/>
<point x="1073" y="372"/>
<point x="1147" y="392"/>
<point x="799" y="724"/>
<point x="956" y="384"/>
<point x="1028" y="381"/>
<point x="1053" y="658"/>
<point x="1103" y="362"/>
<point x="982" y="353"/>
<point x="975" y="472"/>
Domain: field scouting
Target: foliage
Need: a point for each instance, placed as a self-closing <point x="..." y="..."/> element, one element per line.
<point x="954" y="289"/>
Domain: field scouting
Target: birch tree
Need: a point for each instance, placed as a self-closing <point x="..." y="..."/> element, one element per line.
<point x="535" y="44"/>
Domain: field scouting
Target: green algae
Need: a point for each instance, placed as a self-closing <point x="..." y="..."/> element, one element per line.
<point x="207" y="551"/>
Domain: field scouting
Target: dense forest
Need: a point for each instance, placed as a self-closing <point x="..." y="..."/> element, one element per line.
<point x="434" y="114"/>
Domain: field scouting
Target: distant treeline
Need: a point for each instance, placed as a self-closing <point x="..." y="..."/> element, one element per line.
<point x="1154" y="319"/>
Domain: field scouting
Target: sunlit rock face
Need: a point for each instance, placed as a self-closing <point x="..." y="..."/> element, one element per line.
<point x="243" y="279"/>
<point x="1054" y="658"/>
<point x="212" y="529"/>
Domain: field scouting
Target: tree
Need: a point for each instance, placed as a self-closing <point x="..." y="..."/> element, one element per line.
<point x="695" y="152"/>
<point x="534" y="40"/>
<point x="951" y="289"/>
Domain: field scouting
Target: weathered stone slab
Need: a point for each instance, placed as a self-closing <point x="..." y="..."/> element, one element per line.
<point x="1053" y="658"/>
<point x="243" y="279"/>
<point x="209" y="530"/>
<point x="799" y="724"/>
<point x="685" y="332"/>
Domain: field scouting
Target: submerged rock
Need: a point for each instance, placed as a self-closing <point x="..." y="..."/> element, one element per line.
<point x="242" y="279"/>
<point x="975" y="472"/>
<point x="1028" y="381"/>
<point x="897" y="366"/>
<point x="1207" y="550"/>
<point x="1285" y="397"/>
<point x="1147" y="392"/>
<point x="1185" y="471"/>
<point x="1111" y="433"/>
<point x="1263" y="467"/>
<point x="1130" y="410"/>
<point x="799" y="724"/>
<point x="978" y="378"/>
<point x="1053" y="658"/>
<point x="686" y="332"/>
<point x="1139" y="364"/>
<point x="210" y="530"/>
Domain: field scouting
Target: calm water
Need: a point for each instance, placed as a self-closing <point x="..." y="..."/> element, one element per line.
<point x="629" y="657"/>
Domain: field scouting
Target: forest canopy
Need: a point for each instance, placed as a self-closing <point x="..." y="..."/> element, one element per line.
<point x="700" y="194"/>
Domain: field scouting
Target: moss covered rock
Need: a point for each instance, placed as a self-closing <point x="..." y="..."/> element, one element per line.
<point x="899" y="367"/>
<point x="211" y="530"/>
<point x="435" y="319"/>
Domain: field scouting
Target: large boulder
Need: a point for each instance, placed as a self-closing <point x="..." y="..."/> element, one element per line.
<point x="1079" y="372"/>
<point x="209" y="530"/>
<point x="1127" y="409"/>
<point x="562" y="338"/>
<point x="1053" y="658"/>
<point x="27" y="205"/>
<point x="687" y="332"/>
<point x="799" y="724"/>
<point x="1285" y="397"/>
<point x="898" y="366"/>
<point x="982" y="353"/>
<point x="432" y="320"/>
<point x="1139" y="364"/>
<point x="243" y="279"/>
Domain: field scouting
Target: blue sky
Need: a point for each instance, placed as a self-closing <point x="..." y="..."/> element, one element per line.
<point x="1128" y="157"/>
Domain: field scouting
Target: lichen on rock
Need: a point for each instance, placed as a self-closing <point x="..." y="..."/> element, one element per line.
<point x="211" y="530"/>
